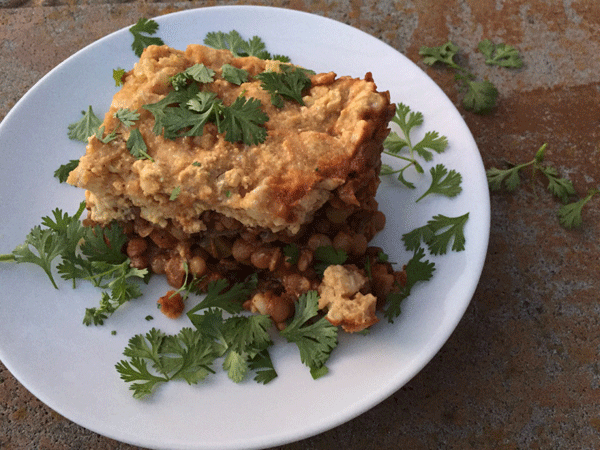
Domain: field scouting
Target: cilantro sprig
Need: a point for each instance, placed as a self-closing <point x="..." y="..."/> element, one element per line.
<point x="77" y="252"/>
<point x="289" y="84"/>
<point x="315" y="339"/>
<point x="438" y="233"/>
<point x="85" y="127"/>
<point x="570" y="212"/>
<point x="402" y="147"/>
<point x="417" y="271"/>
<point x="501" y="54"/>
<point x="480" y="96"/>
<point x="143" y="32"/>
<point x="240" y="47"/>
<point x="240" y="341"/>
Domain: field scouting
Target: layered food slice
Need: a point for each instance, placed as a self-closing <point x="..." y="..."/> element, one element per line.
<point x="218" y="166"/>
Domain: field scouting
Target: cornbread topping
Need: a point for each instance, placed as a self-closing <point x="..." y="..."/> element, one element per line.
<point x="310" y="150"/>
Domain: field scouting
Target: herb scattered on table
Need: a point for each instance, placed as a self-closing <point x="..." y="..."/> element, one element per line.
<point x="480" y="96"/>
<point x="569" y="214"/>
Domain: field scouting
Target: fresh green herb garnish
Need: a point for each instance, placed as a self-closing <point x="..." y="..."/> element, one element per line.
<point x="479" y="96"/>
<point x="156" y="358"/>
<point x="570" y="215"/>
<point x="137" y="146"/>
<point x="175" y="193"/>
<point x="198" y="72"/>
<point x="438" y="233"/>
<point x="106" y="139"/>
<point x="234" y="42"/>
<point x="315" y="340"/>
<point x="292" y="253"/>
<point x="416" y="270"/>
<point x="118" y="76"/>
<point x="394" y="144"/>
<point x="83" y="253"/>
<point x="328" y="255"/>
<point x="85" y="127"/>
<point x="233" y="74"/>
<point x="185" y="112"/>
<point x="142" y="35"/>
<point x="289" y="84"/>
<point x="443" y="182"/>
<point x="500" y="54"/>
<point x="62" y="173"/>
<point x="560" y="187"/>
<point x="127" y="117"/>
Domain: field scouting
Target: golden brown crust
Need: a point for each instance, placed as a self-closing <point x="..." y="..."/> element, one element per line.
<point x="332" y="143"/>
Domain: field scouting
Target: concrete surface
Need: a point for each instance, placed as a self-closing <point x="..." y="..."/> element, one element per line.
<point x="521" y="371"/>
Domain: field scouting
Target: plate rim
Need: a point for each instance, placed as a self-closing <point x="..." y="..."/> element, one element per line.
<point x="384" y="391"/>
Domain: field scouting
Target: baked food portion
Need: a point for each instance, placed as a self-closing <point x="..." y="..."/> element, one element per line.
<point x="202" y="205"/>
<point x="310" y="151"/>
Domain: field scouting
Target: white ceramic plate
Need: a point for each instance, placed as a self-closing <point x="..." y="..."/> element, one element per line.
<point x="70" y="367"/>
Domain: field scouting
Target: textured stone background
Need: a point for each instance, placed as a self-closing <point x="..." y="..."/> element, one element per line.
<point x="521" y="370"/>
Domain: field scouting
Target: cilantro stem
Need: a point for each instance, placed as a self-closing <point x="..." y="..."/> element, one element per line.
<point x="8" y="257"/>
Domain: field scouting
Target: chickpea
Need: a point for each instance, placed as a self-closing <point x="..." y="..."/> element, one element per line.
<point x="175" y="271"/>
<point x="318" y="240"/>
<point x="197" y="266"/>
<point x="136" y="247"/>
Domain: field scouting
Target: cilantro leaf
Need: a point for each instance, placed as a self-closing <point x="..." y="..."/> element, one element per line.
<point x="480" y="96"/>
<point x="41" y="247"/>
<point x="327" y="255"/>
<point x="62" y="173"/>
<point x="437" y="234"/>
<point x="137" y="146"/>
<point x="185" y="112"/>
<point x="245" y="337"/>
<point x="197" y="72"/>
<point x="219" y="295"/>
<point x="84" y="128"/>
<point x="59" y="237"/>
<point x="126" y="116"/>
<point x="241" y="121"/>
<point x="288" y="83"/>
<point x="315" y="340"/>
<point x="510" y="177"/>
<point x="443" y="54"/>
<point x="560" y="187"/>
<point x="263" y="367"/>
<point x="234" y="75"/>
<point x="292" y="253"/>
<point x="142" y="35"/>
<point x="416" y="270"/>
<point x="570" y="215"/>
<point x="175" y="193"/>
<point x="500" y="54"/>
<point x="444" y="182"/>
